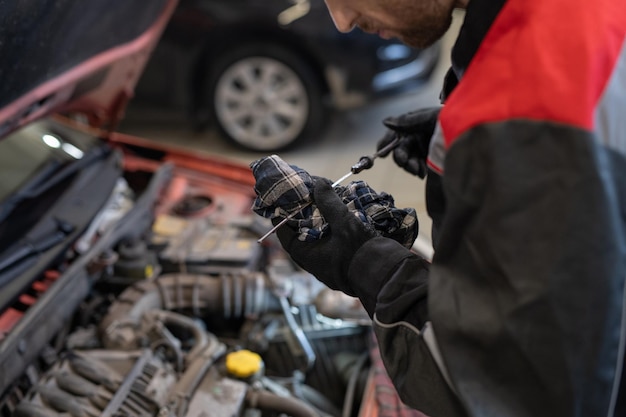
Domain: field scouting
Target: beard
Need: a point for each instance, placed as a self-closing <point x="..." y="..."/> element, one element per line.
<point x="416" y="23"/>
<point x="425" y="35"/>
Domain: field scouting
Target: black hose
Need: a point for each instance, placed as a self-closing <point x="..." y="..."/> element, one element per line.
<point x="351" y="390"/>
<point x="316" y="399"/>
<point x="268" y="401"/>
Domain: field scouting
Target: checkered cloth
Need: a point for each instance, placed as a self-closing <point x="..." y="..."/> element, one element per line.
<point x="386" y="397"/>
<point x="283" y="189"/>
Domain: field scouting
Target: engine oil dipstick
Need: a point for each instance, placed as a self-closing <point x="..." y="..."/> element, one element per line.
<point x="365" y="162"/>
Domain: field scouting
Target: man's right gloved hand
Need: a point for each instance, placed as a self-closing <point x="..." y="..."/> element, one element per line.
<point x="415" y="130"/>
<point x="329" y="257"/>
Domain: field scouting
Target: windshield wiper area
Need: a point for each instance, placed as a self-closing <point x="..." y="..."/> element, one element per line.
<point x="40" y="185"/>
<point x="29" y="247"/>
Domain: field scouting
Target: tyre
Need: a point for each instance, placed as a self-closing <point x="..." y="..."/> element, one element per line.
<point x="264" y="97"/>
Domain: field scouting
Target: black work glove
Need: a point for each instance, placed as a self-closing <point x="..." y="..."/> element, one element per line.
<point x="329" y="257"/>
<point x="415" y="130"/>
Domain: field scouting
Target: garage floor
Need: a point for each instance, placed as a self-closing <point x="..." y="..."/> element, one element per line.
<point x="349" y="136"/>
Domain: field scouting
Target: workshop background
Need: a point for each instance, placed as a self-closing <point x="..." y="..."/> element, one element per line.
<point x="350" y="135"/>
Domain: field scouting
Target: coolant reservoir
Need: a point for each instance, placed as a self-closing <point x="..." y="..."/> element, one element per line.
<point x="244" y="363"/>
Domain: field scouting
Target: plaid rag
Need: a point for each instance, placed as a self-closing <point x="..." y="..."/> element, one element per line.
<point x="386" y="396"/>
<point x="283" y="189"/>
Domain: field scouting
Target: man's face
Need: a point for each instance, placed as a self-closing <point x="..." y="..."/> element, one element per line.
<point x="418" y="23"/>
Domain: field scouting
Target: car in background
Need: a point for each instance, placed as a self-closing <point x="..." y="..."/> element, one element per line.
<point x="266" y="74"/>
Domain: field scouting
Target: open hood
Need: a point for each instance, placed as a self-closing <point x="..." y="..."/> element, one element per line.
<point x="74" y="56"/>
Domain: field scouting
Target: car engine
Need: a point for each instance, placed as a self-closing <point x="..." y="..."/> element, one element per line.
<point x="167" y="306"/>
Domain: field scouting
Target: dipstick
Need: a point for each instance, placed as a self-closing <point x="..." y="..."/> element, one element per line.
<point x="295" y="213"/>
<point x="366" y="162"/>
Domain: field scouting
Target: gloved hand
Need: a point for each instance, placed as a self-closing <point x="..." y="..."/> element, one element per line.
<point x="329" y="257"/>
<point x="415" y="130"/>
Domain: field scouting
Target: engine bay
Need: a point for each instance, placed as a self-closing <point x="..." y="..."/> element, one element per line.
<point x="166" y="305"/>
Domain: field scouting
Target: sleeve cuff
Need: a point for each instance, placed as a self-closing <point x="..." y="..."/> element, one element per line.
<point x="371" y="267"/>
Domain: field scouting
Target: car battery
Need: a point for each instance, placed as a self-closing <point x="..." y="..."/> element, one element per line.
<point x="198" y="245"/>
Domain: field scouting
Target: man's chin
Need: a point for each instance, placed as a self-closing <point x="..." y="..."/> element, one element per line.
<point x="428" y="34"/>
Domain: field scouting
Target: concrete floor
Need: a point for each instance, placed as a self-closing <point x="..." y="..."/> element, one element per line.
<point x="350" y="135"/>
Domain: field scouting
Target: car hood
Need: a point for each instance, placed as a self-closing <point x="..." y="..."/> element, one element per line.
<point x="67" y="56"/>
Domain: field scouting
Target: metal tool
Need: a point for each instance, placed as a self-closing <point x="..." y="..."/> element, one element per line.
<point x="365" y="162"/>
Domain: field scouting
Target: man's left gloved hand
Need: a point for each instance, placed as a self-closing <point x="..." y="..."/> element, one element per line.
<point x="415" y="130"/>
<point x="329" y="257"/>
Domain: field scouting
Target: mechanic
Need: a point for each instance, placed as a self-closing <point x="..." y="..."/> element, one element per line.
<point x="521" y="311"/>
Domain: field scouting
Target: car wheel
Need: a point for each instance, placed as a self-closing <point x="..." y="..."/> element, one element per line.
<point x="264" y="97"/>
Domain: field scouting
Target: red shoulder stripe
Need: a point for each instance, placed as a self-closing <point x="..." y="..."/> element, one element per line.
<point x="541" y="60"/>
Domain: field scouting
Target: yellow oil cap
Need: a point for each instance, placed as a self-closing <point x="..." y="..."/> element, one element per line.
<point x="243" y="363"/>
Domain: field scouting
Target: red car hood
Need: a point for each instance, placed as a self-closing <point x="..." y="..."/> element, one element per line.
<point x="67" y="56"/>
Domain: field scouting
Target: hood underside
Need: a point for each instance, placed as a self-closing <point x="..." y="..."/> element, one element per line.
<point x="73" y="56"/>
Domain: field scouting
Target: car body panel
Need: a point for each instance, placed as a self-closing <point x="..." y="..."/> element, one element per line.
<point x="76" y="69"/>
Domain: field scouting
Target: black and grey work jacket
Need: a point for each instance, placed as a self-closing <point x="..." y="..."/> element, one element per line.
<point x="520" y="313"/>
